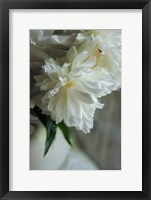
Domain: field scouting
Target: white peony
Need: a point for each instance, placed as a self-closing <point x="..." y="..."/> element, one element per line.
<point x="71" y="91"/>
<point x="105" y="45"/>
<point x="45" y="39"/>
<point x="108" y="38"/>
<point x="49" y="43"/>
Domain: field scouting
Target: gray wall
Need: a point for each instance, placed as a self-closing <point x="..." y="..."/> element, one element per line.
<point x="103" y="144"/>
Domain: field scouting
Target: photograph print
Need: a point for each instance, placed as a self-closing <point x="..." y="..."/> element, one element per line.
<point x="75" y="99"/>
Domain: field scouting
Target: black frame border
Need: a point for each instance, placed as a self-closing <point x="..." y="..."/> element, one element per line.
<point x="5" y="5"/>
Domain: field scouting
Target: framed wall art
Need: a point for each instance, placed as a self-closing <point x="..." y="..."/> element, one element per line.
<point x="75" y="99"/>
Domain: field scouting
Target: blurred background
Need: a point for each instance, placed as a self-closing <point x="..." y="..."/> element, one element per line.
<point x="103" y="144"/>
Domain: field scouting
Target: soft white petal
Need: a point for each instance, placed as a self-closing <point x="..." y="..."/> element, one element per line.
<point x="79" y="59"/>
<point x="82" y="96"/>
<point x="72" y="53"/>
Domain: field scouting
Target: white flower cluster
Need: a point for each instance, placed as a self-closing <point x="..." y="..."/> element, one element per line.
<point x="79" y="68"/>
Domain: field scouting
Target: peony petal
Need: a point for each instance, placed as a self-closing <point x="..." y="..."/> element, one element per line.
<point x="82" y="96"/>
<point x="79" y="59"/>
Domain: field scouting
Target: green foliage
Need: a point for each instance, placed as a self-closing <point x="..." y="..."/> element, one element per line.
<point x="50" y="128"/>
<point x="66" y="132"/>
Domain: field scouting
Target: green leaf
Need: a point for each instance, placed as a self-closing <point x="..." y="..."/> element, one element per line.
<point x="50" y="128"/>
<point x="65" y="132"/>
<point x="51" y="133"/>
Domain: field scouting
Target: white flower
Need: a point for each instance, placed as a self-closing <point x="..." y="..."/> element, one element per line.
<point x="105" y="45"/>
<point x="71" y="91"/>
<point x="108" y="37"/>
<point x="47" y="38"/>
<point x="49" y="43"/>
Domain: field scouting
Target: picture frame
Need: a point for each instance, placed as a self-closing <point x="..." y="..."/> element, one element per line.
<point x="4" y="103"/>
